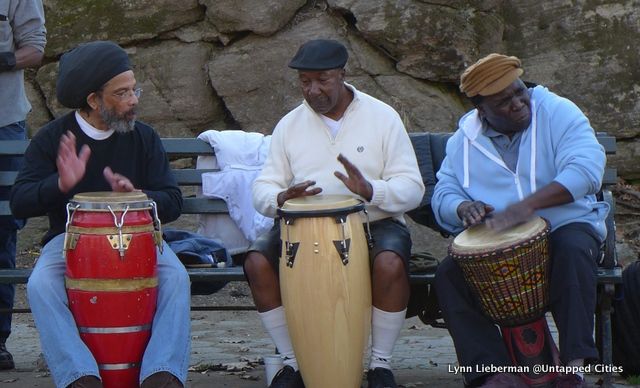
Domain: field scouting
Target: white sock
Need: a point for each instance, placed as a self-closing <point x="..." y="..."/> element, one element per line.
<point x="577" y="362"/>
<point x="385" y="329"/>
<point x="275" y="323"/>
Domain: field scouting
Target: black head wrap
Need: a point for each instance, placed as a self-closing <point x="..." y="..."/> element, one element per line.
<point x="86" y="68"/>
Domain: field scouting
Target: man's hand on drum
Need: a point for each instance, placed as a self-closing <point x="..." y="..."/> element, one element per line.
<point x="473" y="212"/>
<point x="298" y="190"/>
<point x="354" y="179"/>
<point x="119" y="183"/>
<point x="513" y="215"/>
<point x="71" y="165"/>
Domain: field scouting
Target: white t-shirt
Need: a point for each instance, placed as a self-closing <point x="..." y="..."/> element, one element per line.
<point x="90" y="130"/>
<point x="334" y="126"/>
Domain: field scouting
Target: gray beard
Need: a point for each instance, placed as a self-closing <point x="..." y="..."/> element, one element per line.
<point x="114" y="122"/>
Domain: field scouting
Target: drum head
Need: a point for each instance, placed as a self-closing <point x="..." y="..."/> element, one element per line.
<point x="103" y="200"/>
<point x="320" y="202"/>
<point x="480" y="238"/>
<point x="320" y="206"/>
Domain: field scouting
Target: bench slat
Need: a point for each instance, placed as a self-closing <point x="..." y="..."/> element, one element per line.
<point x="13" y="147"/>
<point x="204" y="205"/>
<point x="608" y="142"/>
<point x="7" y="178"/>
<point x="231" y="274"/>
<point x="5" y="209"/>
<point x="186" y="146"/>
<point x="610" y="177"/>
<point x="188" y="176"/>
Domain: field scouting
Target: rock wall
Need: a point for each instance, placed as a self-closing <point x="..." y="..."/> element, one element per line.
<point x="222" y="63"/>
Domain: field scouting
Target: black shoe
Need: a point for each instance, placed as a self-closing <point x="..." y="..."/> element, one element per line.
<point x="6" y="359"/>
<point x="381" y="378"/>
<point x="287" y="378"/>
<point x="86" y="382"/>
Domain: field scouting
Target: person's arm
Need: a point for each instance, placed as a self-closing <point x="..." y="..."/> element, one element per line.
<point x="553" y="194"/>
<point x="448" y="194"/>
<point x="36" y="190"/>
<point x="271" y="185"/>
<point x="29" y="35"/>
<point x="580" y="161"/>
<point x="400" y="187"/>
<point x="161" y="185"/>
<point x="28" y="56"/>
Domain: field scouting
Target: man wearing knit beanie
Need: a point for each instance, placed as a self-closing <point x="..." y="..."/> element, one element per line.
<point x="522" y="152"/>
<point x="99" y="146"/>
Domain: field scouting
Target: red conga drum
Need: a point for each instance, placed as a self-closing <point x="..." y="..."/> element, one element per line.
<point x="111" y="278"/>
<point x="508" y="271"/>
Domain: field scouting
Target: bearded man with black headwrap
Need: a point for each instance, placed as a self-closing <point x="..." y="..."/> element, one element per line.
<point x="116" y="153"/>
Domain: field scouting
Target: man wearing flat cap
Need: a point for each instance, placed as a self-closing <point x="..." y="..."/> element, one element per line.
<point x="522" y="152"/>
<point x="99" y="146"/>
<point x="339" y="141"/>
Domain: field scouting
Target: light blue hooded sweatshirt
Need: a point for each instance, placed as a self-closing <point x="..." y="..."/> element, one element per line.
<point x="559" y="145"/>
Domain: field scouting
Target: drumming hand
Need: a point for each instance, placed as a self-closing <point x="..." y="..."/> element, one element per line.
<point x="473" y="213"/>
<point x="71" y="165"/>
<point x="513" y="215"/>
<point x="299" y="190"/>
<point x="119" y="183"/>
<point x="354" y="179"/>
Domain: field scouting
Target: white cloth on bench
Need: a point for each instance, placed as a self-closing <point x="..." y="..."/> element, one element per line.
<point x="239" y="155"/>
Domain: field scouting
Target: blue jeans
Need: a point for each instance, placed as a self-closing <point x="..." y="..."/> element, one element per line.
<point x="69" y="358"/>
<point x="9" y="225"/>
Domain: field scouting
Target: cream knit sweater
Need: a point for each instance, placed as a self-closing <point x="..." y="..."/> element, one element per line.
<point x="372" y="137"/>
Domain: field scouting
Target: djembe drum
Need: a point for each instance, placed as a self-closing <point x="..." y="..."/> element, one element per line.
<point x="326" y="288"/>
<point x="508" y="272"/>
<point x="111" y="278"/>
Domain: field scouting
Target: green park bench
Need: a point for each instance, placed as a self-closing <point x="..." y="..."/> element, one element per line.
<point x="423" y="302"/>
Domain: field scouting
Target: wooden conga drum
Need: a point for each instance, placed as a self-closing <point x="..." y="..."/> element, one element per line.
<point x="508" y="271"/>
<point x="111" y="278"/>
<point x="326" y="288"/>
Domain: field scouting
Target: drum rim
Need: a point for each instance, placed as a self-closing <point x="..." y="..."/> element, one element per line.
<point x="498" y="249"/>
<point x="107" y="206"/>
<point x="356" y="205"/>
<point x="290" y="214"/>
<point x="111" y="200"/>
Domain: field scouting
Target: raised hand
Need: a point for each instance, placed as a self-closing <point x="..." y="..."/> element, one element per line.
<point x="71" y="165"/>
<point x="473" y="212"/>
<point x="298" y="190"/>
<point x="354" y="179"/>
<point x="119" y="183"/>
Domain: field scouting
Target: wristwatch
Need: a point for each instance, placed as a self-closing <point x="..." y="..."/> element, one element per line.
<point x="7" y="61"/>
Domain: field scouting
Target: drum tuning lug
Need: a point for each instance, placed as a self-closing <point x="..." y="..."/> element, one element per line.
<point x="342" y="246"/>
<point x="157" y="238"/>
<point x="341" y="219"/>
<point x="70" y="240"/>
<point x="114" y="241"/>
<point x="291" y="251"/>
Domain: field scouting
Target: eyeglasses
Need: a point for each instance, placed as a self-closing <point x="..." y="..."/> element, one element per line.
<point x="127" y="94"/>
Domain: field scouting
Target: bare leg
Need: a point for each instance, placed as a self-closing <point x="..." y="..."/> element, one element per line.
<point x="390" y="282"/>
<point x="263" y="281"/>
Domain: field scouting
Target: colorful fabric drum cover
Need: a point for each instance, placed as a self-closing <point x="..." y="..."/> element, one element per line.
<point x="508" y="271"/>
